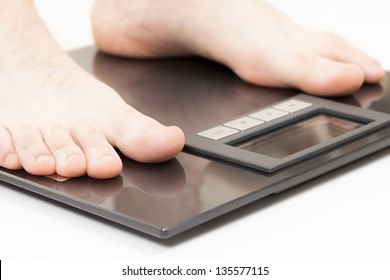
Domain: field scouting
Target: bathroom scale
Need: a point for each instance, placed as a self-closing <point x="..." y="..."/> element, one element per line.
<point x="243" y="143"/>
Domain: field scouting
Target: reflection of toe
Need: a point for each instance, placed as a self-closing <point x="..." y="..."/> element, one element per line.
<point x="92" y="190"/>
<point x="160" y="179"/>
<point x="106" y="188"/>
<point x="368" y="95"/>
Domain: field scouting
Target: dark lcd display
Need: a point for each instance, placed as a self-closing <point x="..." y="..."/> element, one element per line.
<point x="299" y="136"/>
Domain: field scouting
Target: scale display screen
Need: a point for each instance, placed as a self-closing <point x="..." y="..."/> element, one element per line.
<point x="285" y="133"/>
<point x="299" y="136"/>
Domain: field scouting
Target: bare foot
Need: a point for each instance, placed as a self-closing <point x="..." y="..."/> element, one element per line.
<point x="69" y="124"/>
<point x="252" y="38"/>
<point x="56" y="118"/>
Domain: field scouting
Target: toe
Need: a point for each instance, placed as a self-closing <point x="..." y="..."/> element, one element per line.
<point x="322" y="76"/>
<point x="8" y="157"/>
<point x="146" y="140"/>
<point x="337" y="48"/>
<point x="33" y="153"/>
<point x="69" y="157"/>
<point x="154" y="145"/>
<point x="374" y="72"/>
<point x="102" y="160"/>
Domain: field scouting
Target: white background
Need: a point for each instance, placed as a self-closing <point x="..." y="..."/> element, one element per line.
<point x="343" y="216"/>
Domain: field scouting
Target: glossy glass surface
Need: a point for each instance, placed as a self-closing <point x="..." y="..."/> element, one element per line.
<point x="299" y="136"/>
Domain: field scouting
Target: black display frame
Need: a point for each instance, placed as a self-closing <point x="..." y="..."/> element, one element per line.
<point x="300" y="135"/>
<point x="226" y="149"/>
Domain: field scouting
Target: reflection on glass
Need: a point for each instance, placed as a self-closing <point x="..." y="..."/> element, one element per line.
<point x="299" y="136"/>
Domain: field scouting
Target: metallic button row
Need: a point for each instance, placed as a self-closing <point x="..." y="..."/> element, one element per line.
<point x="255" y="119"/>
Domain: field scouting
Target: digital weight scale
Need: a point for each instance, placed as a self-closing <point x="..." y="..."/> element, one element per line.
<point x="243" y="143"/>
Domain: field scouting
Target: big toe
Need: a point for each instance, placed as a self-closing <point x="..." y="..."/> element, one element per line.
<point x="374" y="72"/>
<point x="145" y="140"/>
<point x="322" y="76"/>
<point x="154" y="145"/>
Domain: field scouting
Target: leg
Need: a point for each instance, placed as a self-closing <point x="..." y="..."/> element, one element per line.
<point x="256" y="41"/>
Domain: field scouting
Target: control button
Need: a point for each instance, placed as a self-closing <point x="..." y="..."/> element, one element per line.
<point x="268" y="114"/>
<point x="244" y="123"/>
<point x="292" y="105"/>
<point x="218" y="132"/>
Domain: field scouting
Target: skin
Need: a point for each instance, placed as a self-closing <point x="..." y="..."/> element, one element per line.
<point x="69" y="122"/>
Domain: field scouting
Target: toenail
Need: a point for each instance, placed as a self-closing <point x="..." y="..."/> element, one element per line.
<point x="42" y="158"/>
<point x="107" y="158"/>
<point x="10" y="158"/>
<point x="73" y="157"/>
<point x="375" y="69"/>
